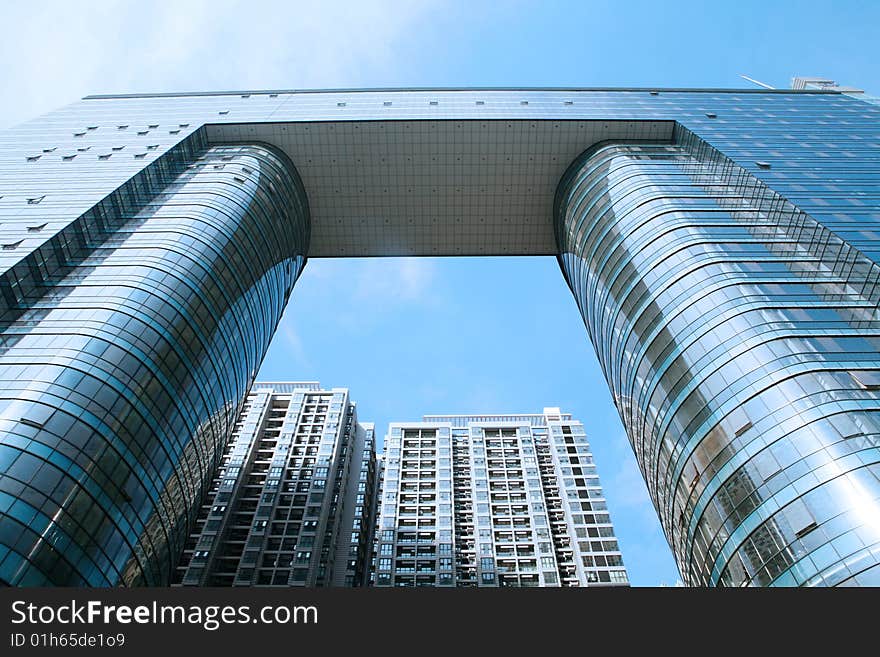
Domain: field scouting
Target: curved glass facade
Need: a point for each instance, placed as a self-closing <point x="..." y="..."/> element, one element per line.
<point x="126" y="354"/>
<point x="741" y="342"/>
<point x="728" y="277"/>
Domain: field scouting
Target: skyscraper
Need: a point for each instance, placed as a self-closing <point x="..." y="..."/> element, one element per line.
<point x="493" y="500"/>
<point x="293" y="502"/>
<point x="722" y="246"/>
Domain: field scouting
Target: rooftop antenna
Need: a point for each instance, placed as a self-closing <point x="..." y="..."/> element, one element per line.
<point x="757" y="82"/>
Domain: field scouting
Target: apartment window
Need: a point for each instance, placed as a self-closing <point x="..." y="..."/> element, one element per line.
<point x="618" y="576"/>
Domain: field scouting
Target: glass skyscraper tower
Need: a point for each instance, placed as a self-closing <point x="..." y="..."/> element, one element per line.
<point x="722" y="246"/>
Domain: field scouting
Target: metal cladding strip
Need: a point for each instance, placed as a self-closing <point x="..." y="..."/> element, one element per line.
<point x="741" y="342"/>
<point x="125" y="360"/>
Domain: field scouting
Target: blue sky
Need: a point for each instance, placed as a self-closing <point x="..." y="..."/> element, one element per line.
<point x="416" y="336"/>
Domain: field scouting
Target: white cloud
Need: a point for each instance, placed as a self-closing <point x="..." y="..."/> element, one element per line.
<point x="59" y="51"/>
<point x="394" y="280"/>
<point x="358" y="296"/>
<point x="295" y="348"/>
